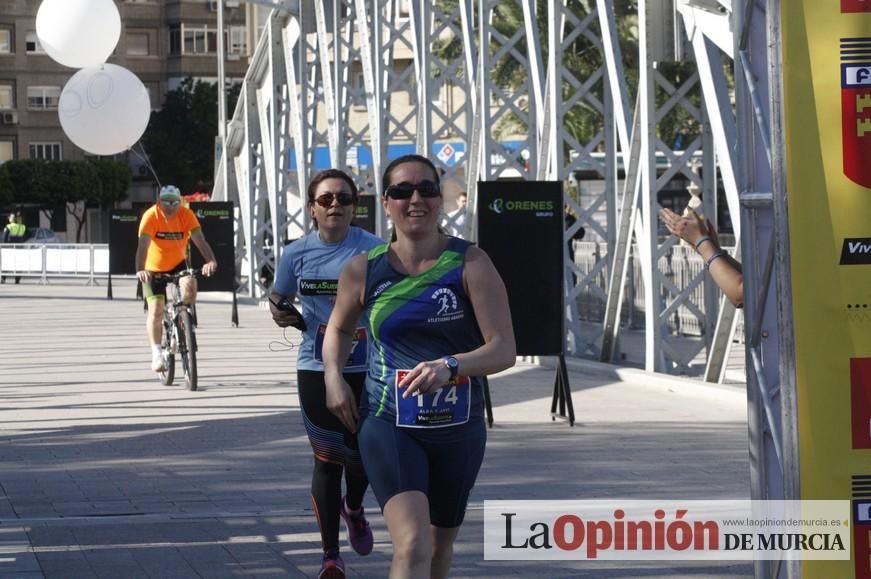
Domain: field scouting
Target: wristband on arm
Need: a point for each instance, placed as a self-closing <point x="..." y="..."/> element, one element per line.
<point x="701" y="241"/>
<point x="716" y="254"/>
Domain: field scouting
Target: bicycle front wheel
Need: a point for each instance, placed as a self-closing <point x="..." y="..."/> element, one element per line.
<point x="167" y="375"/>
<point x="188" y="348"/>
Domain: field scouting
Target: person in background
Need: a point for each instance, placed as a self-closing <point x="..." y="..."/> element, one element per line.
<point x="439" y="320"/>
<point x="455" y="221"/>
<point x="14" y="232"/>
<point x="724" y="269"/>
<point x="309" y="268"/>
<point x="164" y="232"/>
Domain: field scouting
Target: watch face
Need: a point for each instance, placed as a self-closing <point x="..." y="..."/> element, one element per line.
<point x="452" y="363"/>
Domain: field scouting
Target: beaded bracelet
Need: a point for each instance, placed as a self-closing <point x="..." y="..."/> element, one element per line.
<point x="701" y="241"/>
<point x="715" y="255"/>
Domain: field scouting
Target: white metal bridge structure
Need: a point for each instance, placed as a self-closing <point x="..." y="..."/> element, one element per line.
<point x="299" y="89"/>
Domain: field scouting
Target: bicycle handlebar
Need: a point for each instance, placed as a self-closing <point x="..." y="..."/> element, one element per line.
<point x="174" y="277"/>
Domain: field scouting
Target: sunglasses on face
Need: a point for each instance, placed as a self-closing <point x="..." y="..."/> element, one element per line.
<point x="170" y="203"/>
<point x="426" y="189"/>
<point x="327" y="199"/>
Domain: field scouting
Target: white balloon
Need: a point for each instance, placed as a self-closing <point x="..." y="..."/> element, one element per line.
<point x="104" y="109"/>
<point x="78" y="33"/>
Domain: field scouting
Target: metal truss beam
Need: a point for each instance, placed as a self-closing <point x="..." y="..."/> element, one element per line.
<point x="322" y="62"/>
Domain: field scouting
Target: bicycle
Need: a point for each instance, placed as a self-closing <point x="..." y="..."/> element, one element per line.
<point x="179" y="332"/>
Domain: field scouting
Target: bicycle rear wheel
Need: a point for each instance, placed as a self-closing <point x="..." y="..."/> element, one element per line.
<point x="167" y="375"/>
<point x="188" y="348"/>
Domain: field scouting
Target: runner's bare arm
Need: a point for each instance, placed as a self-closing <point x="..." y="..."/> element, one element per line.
<point x="337" y="341"/>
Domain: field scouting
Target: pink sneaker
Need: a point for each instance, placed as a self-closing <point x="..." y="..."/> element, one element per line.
<point x="332" y="568"/>
<point x="359" y="533"/>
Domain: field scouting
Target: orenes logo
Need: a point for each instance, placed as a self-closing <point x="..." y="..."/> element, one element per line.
<point x="497" y="205"/>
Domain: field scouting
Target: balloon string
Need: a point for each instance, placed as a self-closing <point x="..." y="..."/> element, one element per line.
<point x="146" y="160"/>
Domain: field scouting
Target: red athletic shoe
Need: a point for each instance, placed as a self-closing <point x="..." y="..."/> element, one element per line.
<point x="332" y="568"/>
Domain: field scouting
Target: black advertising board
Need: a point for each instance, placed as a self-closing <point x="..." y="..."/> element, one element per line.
<point x="520" y="226"/>
<point x="123" y="239"/>
<point x="216" y="219"/>
<point x="365" y="217"/>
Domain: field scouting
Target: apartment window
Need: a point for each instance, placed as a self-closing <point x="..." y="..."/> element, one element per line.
<point x="199" y="40"/>
<point x="238" y="41"/>
<point x="357" y="94"/>
<point x="43" y="97"/>
<point x="5" y="40"/>
<point x="31" y="43"/>
<point x="403" y="10"/>
<point x="137" y="43"/>
<point x="175" y="40"/>
<point x="7" y="150"/>
<point x="47" y="151"/>
<point x="7" y="95"/>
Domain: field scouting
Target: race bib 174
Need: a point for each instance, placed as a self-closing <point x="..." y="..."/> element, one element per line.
<point x="447" y="406"/>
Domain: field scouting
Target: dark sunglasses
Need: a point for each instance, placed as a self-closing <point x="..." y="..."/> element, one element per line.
<point x="170" y="203"/>
<point x="327" y="199"/>
<point x="426" y="189"/>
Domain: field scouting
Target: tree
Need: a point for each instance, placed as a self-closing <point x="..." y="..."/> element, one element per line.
<point x="7" y="191"/>
<point x="74" y="184"/>
<point x="180" y="139"/>
<point x="112" y="182"/>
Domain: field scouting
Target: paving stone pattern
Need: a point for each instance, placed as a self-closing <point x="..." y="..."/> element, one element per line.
<point x="105" y="473"/>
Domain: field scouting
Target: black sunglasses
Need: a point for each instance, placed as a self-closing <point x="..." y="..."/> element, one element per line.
<point x="170" y="203"/>
<point x="426" y="189"/>
<point x="327" y="199"/>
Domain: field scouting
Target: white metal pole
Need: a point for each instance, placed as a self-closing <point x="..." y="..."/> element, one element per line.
<point x="222" y="99"/>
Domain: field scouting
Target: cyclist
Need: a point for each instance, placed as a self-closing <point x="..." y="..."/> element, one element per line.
<point x="164" y="232"/>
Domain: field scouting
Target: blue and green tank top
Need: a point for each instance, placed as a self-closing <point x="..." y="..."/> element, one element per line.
<point x="414" y="319"/>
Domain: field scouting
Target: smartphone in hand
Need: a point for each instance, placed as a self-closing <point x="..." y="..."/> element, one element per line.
<point x="285" y="305"/>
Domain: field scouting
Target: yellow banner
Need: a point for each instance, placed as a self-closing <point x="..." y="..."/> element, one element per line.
<point x="827" y="97"/>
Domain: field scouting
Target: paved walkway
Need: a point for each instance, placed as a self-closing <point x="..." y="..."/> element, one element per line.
<point x="106" y="473"/>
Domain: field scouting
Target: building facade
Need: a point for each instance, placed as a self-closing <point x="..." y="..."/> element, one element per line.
<point x="162" y="42"/>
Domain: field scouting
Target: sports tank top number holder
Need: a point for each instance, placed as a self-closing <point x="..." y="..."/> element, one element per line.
<point x="450" y="405"/>
<point x="359" y="346"/>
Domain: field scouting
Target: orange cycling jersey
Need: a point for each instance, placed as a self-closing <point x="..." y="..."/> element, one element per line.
<point x="169" y="237"/>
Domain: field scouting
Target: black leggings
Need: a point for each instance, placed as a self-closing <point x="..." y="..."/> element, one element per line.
<point x="335" y="450"/>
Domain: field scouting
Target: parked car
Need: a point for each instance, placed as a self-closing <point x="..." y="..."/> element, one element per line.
<point x="41" y="235"/>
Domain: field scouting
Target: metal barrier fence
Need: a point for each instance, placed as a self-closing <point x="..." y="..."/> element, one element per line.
<point x="90" y="261"/>
<point x="44" y="261"/>
<point x="682" y="264"/>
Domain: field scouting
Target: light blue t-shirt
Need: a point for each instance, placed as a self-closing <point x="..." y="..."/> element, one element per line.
<point x="309" y="269"/>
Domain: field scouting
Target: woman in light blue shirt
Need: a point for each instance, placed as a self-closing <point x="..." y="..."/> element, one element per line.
<point x="309" y="269"/>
